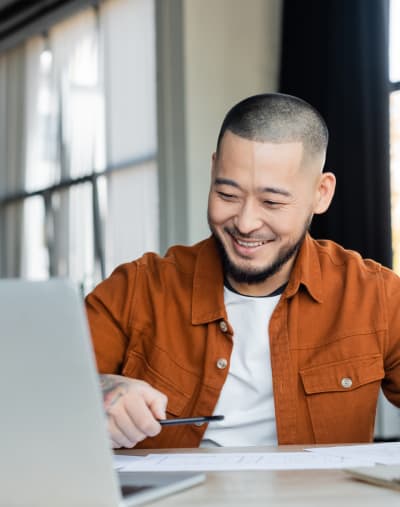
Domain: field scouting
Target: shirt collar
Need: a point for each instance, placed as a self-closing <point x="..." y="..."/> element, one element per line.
<point x="306" y="271"/>
<point x="208" y="281"/>
<point x="208" y="285"/>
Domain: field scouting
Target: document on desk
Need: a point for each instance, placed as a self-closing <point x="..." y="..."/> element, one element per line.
<point x="387" y="453"/>
<point x="200" y="461"/>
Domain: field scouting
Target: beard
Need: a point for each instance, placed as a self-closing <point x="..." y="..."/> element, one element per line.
<point x="253" y="276"/>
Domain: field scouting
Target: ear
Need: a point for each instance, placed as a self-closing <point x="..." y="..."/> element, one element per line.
<point x="325" y="192"/>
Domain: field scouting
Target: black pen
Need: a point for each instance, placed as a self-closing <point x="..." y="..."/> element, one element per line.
<point x="191" y="420"/>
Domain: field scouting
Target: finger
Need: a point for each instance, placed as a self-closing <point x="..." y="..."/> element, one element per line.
<point x="159" y="406"/>
<point x="114" y="445"/>
<point x="141" y="416"/>
<point x="127" y="427"/>
<point x="156" y="401"/>
<point x="118" y="437"/>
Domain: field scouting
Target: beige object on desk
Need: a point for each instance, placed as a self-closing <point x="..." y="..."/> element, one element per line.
<point x="290" y="488"/>
<point x="387" y="476"/>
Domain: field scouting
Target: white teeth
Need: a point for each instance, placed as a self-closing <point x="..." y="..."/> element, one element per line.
<point x="252" y="244"/>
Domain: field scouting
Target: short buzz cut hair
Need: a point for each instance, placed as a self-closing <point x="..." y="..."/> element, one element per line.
<point x="277" y="118"/>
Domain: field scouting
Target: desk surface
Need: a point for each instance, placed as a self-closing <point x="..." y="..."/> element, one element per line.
<point x="304" y="488"/>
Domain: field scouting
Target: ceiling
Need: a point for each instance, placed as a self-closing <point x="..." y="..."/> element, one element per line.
<point x="20" y="19"/>
<point x="5" y="3"/>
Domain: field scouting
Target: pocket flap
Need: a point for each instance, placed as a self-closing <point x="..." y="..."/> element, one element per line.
<point x="137" y="366"/>
<point x="345" y="375"/>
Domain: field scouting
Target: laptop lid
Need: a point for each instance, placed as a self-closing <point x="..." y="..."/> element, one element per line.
<point x="54" y="447"/>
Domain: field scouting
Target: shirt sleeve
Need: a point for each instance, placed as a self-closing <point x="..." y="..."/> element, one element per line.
<point x="109" y="309"/>
<point x="391" y="382"/>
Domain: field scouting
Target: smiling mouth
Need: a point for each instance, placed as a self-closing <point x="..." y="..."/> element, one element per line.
<point x="250" y="243"/>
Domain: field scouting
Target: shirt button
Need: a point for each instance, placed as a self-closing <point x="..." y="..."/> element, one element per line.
<point x="223" y="326"/>
<point x="346" y="382"/>
<point x="222" y="363"/>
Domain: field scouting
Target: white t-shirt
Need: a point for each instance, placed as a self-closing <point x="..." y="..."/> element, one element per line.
<point x="246" y="399"/>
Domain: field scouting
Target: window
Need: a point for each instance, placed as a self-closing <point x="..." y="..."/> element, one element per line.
<point x="394" y="71"/>
<point x="388" y="417"/>
<point x="79" y="176"/>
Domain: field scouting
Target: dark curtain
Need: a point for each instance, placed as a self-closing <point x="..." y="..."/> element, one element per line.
<point x="335" y="56"/>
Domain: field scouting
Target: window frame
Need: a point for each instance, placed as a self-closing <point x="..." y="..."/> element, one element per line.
<point x="10" y="198"/>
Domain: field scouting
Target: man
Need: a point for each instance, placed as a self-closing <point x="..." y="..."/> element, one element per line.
<point x="289" y="338"/>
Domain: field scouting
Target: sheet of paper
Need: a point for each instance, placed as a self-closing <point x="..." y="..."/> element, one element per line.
<point x="384" y="454"/>
<point x="235" y="461"/>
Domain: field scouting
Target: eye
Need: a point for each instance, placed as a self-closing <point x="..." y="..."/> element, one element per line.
<point x="225" y="196"/>
<point x="272" y="204"/>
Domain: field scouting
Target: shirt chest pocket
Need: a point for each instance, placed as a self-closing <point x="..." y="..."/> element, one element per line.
<point x="165" y="375"/>
<point x="342" y="397"/>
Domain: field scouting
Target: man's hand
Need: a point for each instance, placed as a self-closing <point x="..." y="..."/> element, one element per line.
<point x="132" y="407"/>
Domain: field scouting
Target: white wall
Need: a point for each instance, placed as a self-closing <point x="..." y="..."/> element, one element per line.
<point x="231" y="50"/>
<point x="211" y="54"/>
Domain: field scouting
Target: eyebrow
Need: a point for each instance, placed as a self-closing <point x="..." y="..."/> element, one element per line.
<point x="226" y="181"/>
<point x="271" y="190"/>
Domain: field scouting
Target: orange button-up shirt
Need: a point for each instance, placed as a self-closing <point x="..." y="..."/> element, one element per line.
<point x="334" y="339"/>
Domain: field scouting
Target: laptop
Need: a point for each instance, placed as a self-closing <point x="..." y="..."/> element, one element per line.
<point x="54" y="447"/>
<point x="387" y="476"/>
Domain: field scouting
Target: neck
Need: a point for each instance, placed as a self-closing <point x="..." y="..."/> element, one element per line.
<point x="268" y="286"/>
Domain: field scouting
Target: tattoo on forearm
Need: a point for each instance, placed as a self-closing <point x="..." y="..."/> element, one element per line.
<point x="113" y="389"/>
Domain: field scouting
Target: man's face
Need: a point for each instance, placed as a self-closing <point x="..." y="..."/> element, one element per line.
<point x="260" y="206"/>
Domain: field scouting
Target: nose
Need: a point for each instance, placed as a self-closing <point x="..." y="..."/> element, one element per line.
<point x="248" y="218"/>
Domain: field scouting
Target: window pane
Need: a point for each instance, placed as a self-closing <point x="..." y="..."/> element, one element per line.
<point x="395" y="175"/>
<point x="35" y="258"/>
<point x="394" y="42"/>
<point x="81" y="262"/>
<point x="75" y="46"/>
<point x="132" y="217"/>
<point x="64" y="103"/>
<point x="130" y="73"/>
<point x="41" y="105"/>
<point x="10" y="229"/>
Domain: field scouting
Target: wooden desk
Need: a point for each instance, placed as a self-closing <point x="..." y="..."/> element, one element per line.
<point x="305" y="488"/>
